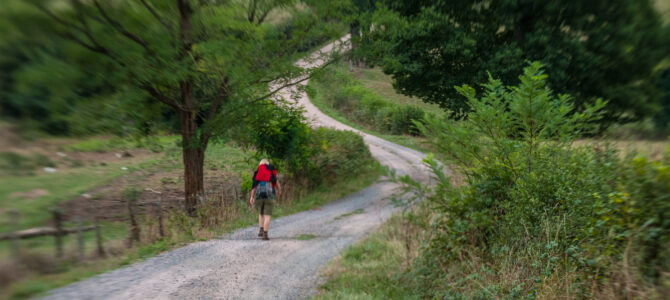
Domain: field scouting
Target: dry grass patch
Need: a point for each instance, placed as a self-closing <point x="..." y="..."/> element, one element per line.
<point x="654" y="150"/>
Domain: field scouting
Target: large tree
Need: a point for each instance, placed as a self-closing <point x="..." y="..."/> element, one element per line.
<point x="210" y="62"/>
<point x="591" y="49"/>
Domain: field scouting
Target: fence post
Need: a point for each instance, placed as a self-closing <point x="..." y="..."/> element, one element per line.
<point x="14" y="227"/>
<point x="98" y="239"/>
<point x="80" y="239"/>
<point x="159" y="207"/>
<point x="98" y="234"/>
<point x="161" y="228"/>
<point x="58" y="225"/>
<point x="134" y="229"/>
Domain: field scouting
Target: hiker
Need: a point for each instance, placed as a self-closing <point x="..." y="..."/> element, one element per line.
<point x="263" y="193"/>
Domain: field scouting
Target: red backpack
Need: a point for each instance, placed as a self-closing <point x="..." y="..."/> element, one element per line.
<point x="265" y="173"/>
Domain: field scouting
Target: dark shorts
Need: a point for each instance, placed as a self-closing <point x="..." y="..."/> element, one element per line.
<point x="264" y="206"/>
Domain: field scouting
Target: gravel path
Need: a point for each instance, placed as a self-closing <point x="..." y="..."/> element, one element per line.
<point x="239" y="265"/>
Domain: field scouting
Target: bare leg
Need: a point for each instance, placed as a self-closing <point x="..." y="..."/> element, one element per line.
<point x="260" y="220"/>
<point x="266" y="218"/>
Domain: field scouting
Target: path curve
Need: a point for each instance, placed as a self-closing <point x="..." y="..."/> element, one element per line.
<point x="239" y="265"/>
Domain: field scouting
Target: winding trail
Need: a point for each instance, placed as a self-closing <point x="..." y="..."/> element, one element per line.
<point x="241" y="266"/>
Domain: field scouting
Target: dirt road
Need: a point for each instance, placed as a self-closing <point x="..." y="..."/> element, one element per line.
<point x="240" y="266"/>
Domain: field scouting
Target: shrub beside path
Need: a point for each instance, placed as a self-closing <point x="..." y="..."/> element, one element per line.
<point x="241" y="266"/>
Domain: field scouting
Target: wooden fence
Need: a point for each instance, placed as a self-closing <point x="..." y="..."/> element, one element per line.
<point x="57" y="231"/>
<point x="220" y="197"/>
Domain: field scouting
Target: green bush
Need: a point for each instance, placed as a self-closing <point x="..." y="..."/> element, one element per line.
<point x="317" y="155"/>
<point x="336" y="154"/>
<point x="538" y="214"/>
<point x="282" y="135"/>
<point x="403" y="117"/>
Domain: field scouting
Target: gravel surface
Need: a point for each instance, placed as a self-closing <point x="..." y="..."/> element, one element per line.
<point x="241" y="266"/>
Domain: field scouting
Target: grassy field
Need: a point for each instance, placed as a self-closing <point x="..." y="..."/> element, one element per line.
<point x="60" y="186"/>
<point x="317" y="93"/>
<point x="380" y="83"/>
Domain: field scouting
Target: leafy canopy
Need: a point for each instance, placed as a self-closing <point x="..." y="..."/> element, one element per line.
<point x="591" y="49"/>
<point x="82" y="67"/>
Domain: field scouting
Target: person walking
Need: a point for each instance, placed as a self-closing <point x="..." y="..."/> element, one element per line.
<point x="262" y="195"/>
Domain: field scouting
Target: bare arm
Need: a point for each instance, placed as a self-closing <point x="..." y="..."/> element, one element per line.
<point x="251" y="199"/>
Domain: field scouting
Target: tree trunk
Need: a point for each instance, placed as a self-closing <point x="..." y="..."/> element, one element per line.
<point x="194" y="186"/>
<point x="355" y="35"/>
<point x="194" y="157"/>
<point x="193" y="148"/>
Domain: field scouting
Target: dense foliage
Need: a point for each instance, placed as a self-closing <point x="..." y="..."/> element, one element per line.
<point x="44" y="87"/>
<point x="538" y="216"/>
<point x="315" y="156"/>
<point x="357" y="103"/>
<point x="336" y="154"/>
<point x="52" y="83"/>
<point x="591" y="49"/>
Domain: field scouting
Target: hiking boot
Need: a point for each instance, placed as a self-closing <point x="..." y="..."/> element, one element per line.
<point x="260" y="233"/>
<point x="265" y="236"/>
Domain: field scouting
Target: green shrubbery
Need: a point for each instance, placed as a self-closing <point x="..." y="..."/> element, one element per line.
<point x="336" y="154"/>
<point x="316" y="156"/>
<point x="539" y="217"/>
<point x="363" y="106"/>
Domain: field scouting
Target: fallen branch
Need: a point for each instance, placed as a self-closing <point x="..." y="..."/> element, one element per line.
<point x="42" y="231"/>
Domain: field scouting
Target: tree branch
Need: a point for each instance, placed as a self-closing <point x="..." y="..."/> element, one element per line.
<point x="56" y="18"/>
<point x="219" y="99"/>
<point x="291" y="83"/>
<point x="86" y="29"/>
<point x="157" y="16"/>
<point x="283" y="86"/>
<point x="161" y="97"/>
<point x="251" y="11"/>
<point x="95" y="47"/>
<point x="121" y="29"/>
<point x="263" y="16"/>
